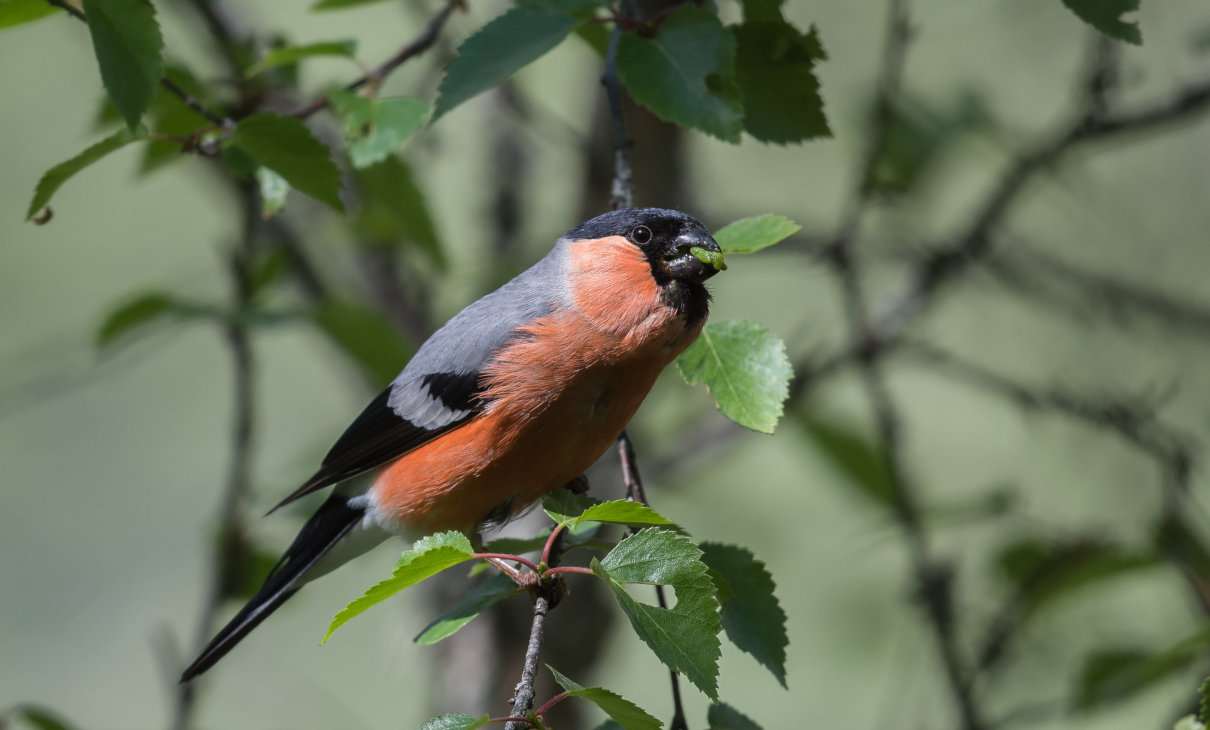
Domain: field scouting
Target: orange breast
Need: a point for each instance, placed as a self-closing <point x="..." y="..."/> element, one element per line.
<point x="559" y="396"/>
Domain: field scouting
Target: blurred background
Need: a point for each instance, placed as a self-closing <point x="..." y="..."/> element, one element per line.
<point x="1051" y="395"/>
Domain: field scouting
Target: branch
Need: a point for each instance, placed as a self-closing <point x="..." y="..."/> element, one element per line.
<point x="546" y="595"/>
<point x="168" y="84"/>
<point x="421" y="43"/>
<point x="230" y="555"/>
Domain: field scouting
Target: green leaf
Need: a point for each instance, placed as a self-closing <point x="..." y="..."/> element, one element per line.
<point x="620" y="512"/>
<point x="170" y="116"/>
<point x="745" y="368"/>
<point x="290" y="55"/>
<point x="1043" y="572"/>
<point x="485" y="593"/>
<point x="341" y="4"/>
<point x="756" y="233"/>
<point x="685" y="74"/>
<point x="516" y="545"/>
<point x="851" y="454"/>
<point x="457" y="721"/>
<point x="1111" y="675"/>
<point x="564" y="506"/>
<point x="126" y="40"/>
<point x="427" y="557"/>
<point x="499" y="49"/>
<point x="273" y="189"/>
<point x="921" y="131"/>
<point x="17" y="12"/>
<point x="722" y="716"/>
<point x="393" y="210"/>
<point x="621" y="710"/>
<point x="775" y="70"/>
<point x="1203" y="702"/>
<point x="1106" y="16"/>
<point x="752" y="616"/>
<point x="54" y="178"/>
<point x="374" y="128"/>
<point x="134" y="314"/>
<point x="685" y="638"/>
<point x="366" y="337"/>
<point x="286" y="146"/>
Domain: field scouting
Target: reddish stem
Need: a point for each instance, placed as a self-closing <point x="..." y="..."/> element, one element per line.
<point x="550" y="543"/>
<point x="564" y="570"/>
<point x="551" y="703"/>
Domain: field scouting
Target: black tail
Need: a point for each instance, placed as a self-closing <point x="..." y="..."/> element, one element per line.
<point x="326" y="527"/>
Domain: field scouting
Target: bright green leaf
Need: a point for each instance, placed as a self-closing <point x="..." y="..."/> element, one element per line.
<point x="393" y="210"/>
<point x="374" y="128"/>
<point x="290" y="55"/>
<point x="756" y="233"/>
<point x="685" y="638"/>
<point x="745" y="368"/>
<point x="685" y="74"/>
<point x="427" y="557"/>
<point x="273" y="189"/>
<point x="485" y="593"/>
<point x="457" y="721"/>
<point x="17" y="12"/>
<point x="1106" y="16"/>
<point x="563" y="505"/>
<point x="752" y="616"/>
<point x="775" y="70"/>
<point x="722" y="716"/>
<point x="54" y="178"/>
<point x="286" y="146"/>
<point x="621" y="512"/>
<point x="366" y="337"/>
<point x="1111" y="675"/>
<point x="126" y="40"/>
<point x="504" y="46"/>
<point x="621" y="710"/>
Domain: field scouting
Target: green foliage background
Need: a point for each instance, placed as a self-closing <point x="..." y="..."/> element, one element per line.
<point x="111" y="467"/>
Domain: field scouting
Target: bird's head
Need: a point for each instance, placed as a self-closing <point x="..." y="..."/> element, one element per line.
<point x="676" y="245"/>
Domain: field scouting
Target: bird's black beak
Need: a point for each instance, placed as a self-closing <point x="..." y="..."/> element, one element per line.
<point x="693" y="256"/>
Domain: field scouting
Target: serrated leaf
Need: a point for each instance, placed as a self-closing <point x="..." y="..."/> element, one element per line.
<point x="374" y="128"/>
<point x="752" y="616"/>
<point x="394" y="211"/>
<point x="286" y="146"/>
<point x="484" y="594"/>
<point x="775" y="71"/>
<point x="1106" y="16"/>
<point x="290" y="55"/>
<point x="133" y="314"/>
<point x="745" y="368"/>
<point x="685" y="74"/>
<point x="685" y="638"/>
<point x="126" y="40"/>
<point x="620" y="512"/>
<point x="54" y="178"/>
<point x="563" y="505"/>
<point x="457" y="721"/>
<point x="621" y="710"/>
<point x="499" y="49"/>
<point x="722" y="716"/>
<point x="170" y="117"/>
<point x="18" y="12"/>
<point x="365" y="335"/>
<point x="273" y="190"/>
<point x="755" y="233"/>
<point x="1111" y="675"/>
<point x="427" y="557"/>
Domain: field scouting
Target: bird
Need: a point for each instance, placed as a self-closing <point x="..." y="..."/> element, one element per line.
<point x="514" y="397"/>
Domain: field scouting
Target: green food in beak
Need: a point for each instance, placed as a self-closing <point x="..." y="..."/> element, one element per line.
<point x="710" y="258"/>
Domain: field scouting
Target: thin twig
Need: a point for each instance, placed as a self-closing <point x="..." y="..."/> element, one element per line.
<point x="168" y="84"/>
<point x="418" y="45"/>
<point x="622" y="190"/>
<point x="546" y="593"/>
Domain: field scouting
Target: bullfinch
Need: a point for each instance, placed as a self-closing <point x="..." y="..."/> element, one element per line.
<point x="515" y="396"/>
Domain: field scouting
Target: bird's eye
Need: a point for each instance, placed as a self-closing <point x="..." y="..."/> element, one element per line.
<point x="640" y="235"/>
